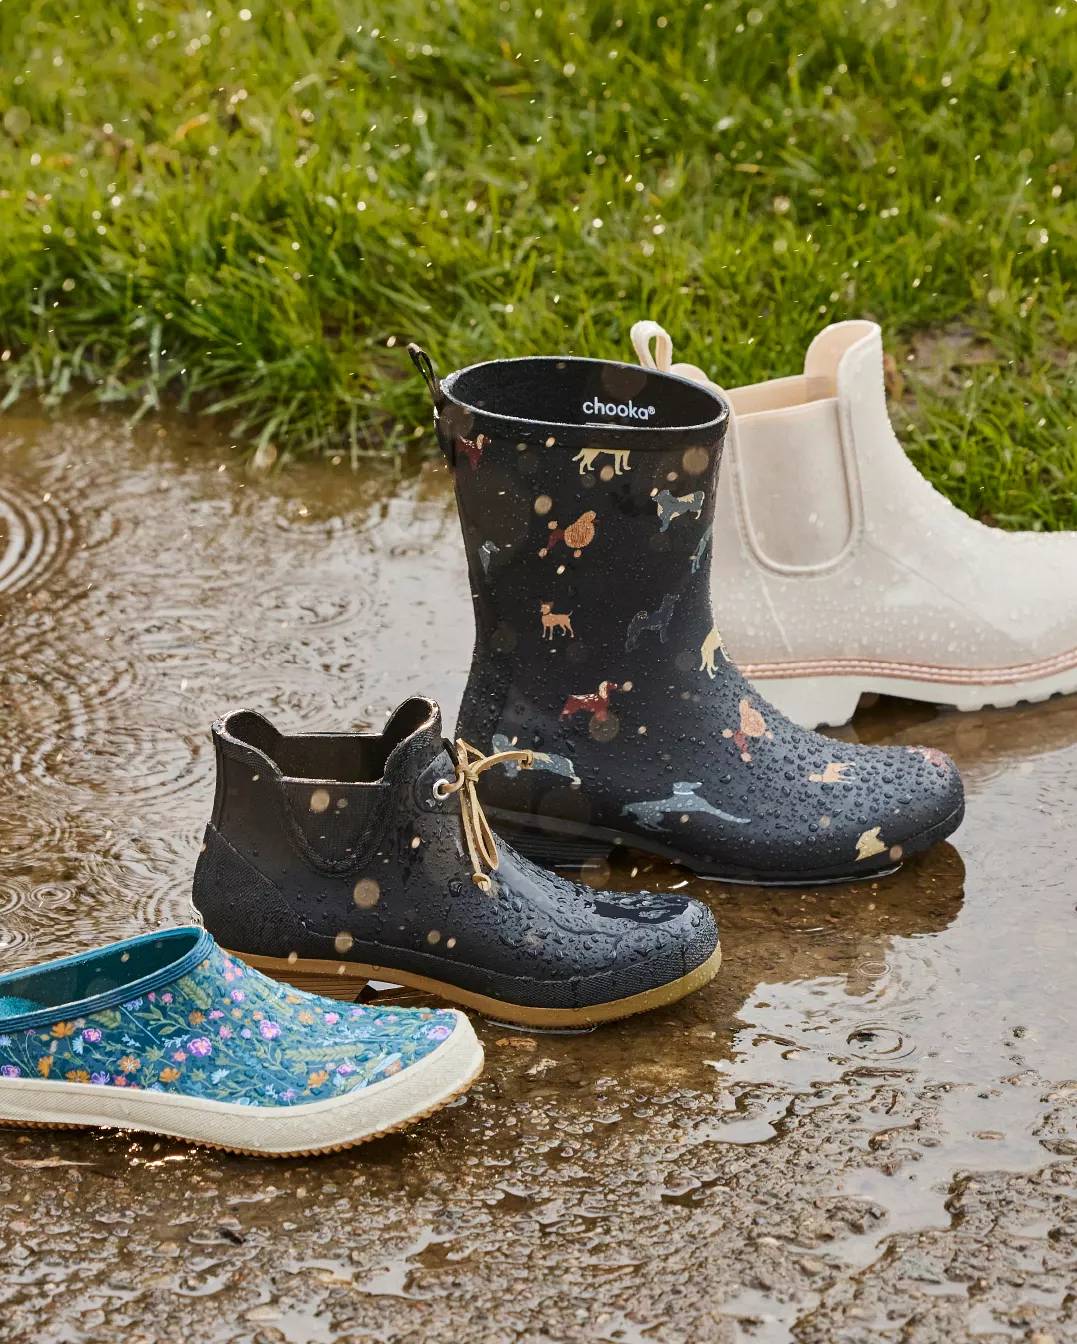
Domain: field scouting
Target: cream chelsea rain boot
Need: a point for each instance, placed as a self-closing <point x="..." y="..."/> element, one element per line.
<point x="844" y="571"/>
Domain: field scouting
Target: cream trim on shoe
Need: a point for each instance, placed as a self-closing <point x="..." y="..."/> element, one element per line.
<point x="842" y="570"/>
<point x="830" y="698"/>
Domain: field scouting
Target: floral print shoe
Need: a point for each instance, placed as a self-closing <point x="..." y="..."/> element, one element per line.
<point x="166" y="1033"/>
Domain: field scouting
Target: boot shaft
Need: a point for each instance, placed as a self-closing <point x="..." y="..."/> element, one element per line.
<point x="311" y="836"/>
<point x="587" y="537"/>
<point x="325" y="801"/>
<point x="791" y="494"/>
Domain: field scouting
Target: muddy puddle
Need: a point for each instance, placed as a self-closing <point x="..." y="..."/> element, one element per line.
<point x="862" y="1130"/>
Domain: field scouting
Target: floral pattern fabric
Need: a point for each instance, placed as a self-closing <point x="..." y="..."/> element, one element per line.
<point x="224" y="1032"/>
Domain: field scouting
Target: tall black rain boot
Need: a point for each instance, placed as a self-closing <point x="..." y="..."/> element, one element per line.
<point x="586" y="492"/>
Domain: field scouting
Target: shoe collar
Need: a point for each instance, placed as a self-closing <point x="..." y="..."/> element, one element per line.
<point x="576" y="403"/>
<point x="334" y="793"/>
<point x="111" y="971"/>
<point x="353" y="759"/>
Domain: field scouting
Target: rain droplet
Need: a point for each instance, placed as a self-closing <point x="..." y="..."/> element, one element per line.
<point x="366" y="893"/>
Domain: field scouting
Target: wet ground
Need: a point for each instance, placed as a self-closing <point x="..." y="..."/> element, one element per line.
<point x="862" y="1130"/>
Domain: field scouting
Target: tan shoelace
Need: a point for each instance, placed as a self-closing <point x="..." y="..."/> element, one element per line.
<point x="481" y="842"/>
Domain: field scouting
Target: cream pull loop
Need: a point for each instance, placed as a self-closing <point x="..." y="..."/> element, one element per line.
<point x="643" y="333"/>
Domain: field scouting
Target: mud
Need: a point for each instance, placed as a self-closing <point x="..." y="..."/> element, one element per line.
<point x="863" y="1130"/>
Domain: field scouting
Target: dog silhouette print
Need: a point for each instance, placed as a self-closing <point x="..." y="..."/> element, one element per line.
<point x="577" y="535"/>
<point x="472" y="449"/>
<point x="684" y="800"/>
<point x="651" y="620"/>
<point x="672" y="506"/>
<point x="586" y="458"/>
<point x="869" y="844"/>
<point x="552" y="621"/>
<point x="752" y="724"/>
<point x="701" y="550"/>
<point x="544" y="760"/>
<point x="832" y="773"/>
<point x="597" y="704"/>
<point x="709" y="650"/>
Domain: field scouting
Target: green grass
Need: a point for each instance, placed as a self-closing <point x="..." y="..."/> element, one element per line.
<point x="244" y="213"/>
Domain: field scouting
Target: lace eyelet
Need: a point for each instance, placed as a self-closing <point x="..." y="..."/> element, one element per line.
<point x="440" y="789"/>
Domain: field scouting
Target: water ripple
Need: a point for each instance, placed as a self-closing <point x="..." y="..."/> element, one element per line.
<point x="35" y="536"/>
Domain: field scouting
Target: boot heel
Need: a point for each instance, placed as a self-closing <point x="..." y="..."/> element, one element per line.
<point x="812" y="702"/>
<point x="549" y="849"/>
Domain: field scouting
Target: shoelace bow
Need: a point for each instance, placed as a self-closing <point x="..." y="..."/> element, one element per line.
<point x="481" y="842"/>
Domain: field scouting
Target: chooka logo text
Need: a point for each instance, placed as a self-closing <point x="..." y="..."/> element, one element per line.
<point x="627" y="409"/>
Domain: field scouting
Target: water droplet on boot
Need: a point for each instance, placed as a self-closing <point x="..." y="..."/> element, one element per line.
<point x="366" y="893"/>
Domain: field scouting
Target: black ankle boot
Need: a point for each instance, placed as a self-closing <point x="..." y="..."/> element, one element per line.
<point x="334" y="858"/>
<point x="586" y="492"/>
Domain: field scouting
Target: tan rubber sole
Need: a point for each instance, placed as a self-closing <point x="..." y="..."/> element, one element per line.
<point x="258" y="1152"/>
<point x="344" y="980"/>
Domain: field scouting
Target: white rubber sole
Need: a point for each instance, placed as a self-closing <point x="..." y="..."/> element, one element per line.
<point x="267" y="1131"/>
<point x="830" y="701"/>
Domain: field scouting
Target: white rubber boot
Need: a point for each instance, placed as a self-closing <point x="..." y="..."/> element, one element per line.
<point x="844" y="571"/>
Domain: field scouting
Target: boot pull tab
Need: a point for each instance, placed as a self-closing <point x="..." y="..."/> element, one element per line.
<point x="643" y="333"/>
<point x="425" y="365"/>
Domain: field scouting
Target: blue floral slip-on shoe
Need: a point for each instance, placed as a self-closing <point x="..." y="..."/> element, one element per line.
<point x="166" y="1033"/>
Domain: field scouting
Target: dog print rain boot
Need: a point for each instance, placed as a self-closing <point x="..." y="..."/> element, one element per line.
<point x="586" y="492"/>
<point x="168" y="1034"/>
<point x="336" y="858"/>
<point x="843" y="570"/>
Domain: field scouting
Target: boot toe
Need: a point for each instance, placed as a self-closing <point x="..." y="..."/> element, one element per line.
<point x="663" y="937"/>
<point x="907" y="799"/>
<point x="592" y="955"/>
<point x="656" y="940"/>
<point x="931" y="803"/>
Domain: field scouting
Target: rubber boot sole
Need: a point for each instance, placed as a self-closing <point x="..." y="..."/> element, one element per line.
<point x="554" y="843"/>
<point x="345" y="979"/>
<point x="830" y="700"/>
